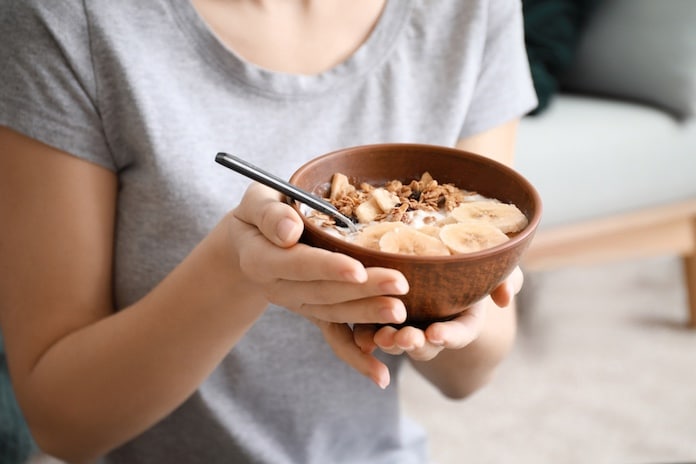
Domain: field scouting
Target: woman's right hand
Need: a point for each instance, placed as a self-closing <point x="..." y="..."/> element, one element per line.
<point x="331" y="289"/>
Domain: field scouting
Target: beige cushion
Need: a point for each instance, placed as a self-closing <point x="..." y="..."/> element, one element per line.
<point x="592" y="157"/>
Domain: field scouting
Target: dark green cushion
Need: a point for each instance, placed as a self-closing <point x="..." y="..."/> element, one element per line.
<point x="16" y="443"/>
<point x="552" y="29"/>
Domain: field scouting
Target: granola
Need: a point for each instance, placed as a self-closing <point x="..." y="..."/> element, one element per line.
<point x="421" y="217"/>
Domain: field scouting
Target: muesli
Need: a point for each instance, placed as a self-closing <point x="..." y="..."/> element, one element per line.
<point x="422" y="217"/>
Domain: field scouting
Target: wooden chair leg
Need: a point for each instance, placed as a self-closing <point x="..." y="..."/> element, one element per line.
<point x="690" y="277"/>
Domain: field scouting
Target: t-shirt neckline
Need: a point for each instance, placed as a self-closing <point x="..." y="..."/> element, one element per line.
<point x="274" y="83"/>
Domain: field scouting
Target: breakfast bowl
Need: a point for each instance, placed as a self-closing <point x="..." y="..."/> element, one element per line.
<point x="443" y="285"/>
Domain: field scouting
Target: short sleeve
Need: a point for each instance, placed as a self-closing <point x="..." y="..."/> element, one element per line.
<point x="47" y="85"/>
<point x="504" y="88"/>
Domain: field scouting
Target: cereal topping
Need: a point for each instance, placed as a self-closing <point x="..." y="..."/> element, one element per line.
<point x="422" y="217"/>
<point x="391" y="201"/>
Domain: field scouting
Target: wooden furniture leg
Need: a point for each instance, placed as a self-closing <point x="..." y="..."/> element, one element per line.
<point x="690" y="277"/>
<point x="663" y="230"/>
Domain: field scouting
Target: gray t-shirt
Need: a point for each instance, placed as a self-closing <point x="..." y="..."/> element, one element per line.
<point x="145" y="89"/>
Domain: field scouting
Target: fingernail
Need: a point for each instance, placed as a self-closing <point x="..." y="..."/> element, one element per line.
<point x="395" y="287"/>
<point x="285" y="229"/>
<point x="382" y="382"/>
<point x="401" y="286"/>
<point x="400" y="313"/>
<point x="388" y="314"/>
<point x="368" y="349"/>
<point x="356" y="275"/>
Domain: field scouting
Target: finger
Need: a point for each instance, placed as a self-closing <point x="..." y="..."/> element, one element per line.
<point x="460" y="331"/>
<point x="414" y="343"/>
<point x="340" y="338"/>
<point x="517" y="278"/>
<point x="314" y="298"/>
<point x="408" y="340"/>
<point x="385" y="339"/>
<point x="374" y="310"/>
<point x="264" y="261"/>
<point x="504" y="293"/>
<point x="363" y="335"/>
<point x="263" y="208"/>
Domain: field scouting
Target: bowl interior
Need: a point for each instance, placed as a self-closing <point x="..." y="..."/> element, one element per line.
<point x="377" y="164"/>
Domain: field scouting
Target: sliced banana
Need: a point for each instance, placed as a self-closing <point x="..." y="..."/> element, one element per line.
<point x="408" y="241"/>
<point x="340" y="186"/>
<point x="380" y="201"/>
<point x="506" y="217"/>
<point x="385" y="199"/>
<point x="433" y="231"/>
<point x="368" y="211"/>
<point x="370" y="235"/>
<point x="449" y="219"/>
<point x="468" y="237"/>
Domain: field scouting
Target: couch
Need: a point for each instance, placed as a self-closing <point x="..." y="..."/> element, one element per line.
<point x="613" y="155"/>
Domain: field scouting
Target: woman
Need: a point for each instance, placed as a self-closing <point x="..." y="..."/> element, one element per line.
<point x="154" y="308"/>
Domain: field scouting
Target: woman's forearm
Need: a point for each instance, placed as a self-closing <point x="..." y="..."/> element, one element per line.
<point x="107" y="382"/>
<point x="458" y="373"/>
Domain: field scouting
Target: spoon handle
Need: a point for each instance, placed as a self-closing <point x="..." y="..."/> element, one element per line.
<point x="266" y="178"/>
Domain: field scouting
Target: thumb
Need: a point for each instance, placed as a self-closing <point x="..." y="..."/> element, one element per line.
<point x="277" y="221"/>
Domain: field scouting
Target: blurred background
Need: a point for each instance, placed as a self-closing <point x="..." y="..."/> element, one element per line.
<point x="604" y="369"/>
<point x="602" y="372"/>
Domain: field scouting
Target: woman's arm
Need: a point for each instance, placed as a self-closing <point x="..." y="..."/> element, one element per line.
<point x="89" y="378"/>
<point x="468" y="351"/>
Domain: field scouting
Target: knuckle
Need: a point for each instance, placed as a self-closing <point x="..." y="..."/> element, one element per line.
<point x="266" y="216"/>
<point x="270" y="213"/>
<point x="271" y="294"/>
<point x="250" y="265"/>
<point x="306" y="310"/>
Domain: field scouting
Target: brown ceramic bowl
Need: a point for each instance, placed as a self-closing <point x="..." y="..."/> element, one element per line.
<point x="440" y="286"/>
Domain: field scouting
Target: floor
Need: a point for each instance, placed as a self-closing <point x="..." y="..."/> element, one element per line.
<point x="603" y="372"/>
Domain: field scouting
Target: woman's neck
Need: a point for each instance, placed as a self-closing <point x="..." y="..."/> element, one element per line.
<point x="292" y="36"/>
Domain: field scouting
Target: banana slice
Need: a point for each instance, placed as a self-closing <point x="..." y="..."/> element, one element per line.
<point x="367" y="211"/>
<point x="433" y="231"/>
<point x="385" y="199"/>
<point x="370" y="235"/>
<point x="467" y="237"/>
<point x="340" y="186"/>
<point x="508" y="218"/>
<point x="408" y="241"/>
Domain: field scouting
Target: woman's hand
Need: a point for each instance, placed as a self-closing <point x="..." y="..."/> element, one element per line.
<point x="331" y="289"/>
<point x="424" y="345"/>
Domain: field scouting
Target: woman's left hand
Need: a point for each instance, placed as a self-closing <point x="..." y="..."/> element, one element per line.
<point x="356" y="345"/>
<point x="424" y="345"/>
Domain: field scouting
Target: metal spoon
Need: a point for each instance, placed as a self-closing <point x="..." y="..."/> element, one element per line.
<point x="245" y="168"/>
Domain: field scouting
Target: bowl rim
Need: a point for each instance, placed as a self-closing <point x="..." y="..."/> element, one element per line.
<point x="521" y="236"/>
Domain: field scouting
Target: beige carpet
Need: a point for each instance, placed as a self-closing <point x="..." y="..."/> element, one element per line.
<point x="603" y="372"/>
